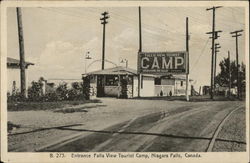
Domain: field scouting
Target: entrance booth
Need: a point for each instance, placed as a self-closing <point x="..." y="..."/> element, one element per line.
<point x="113" y="82"/>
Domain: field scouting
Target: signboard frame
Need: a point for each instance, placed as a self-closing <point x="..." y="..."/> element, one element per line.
<point x="184" y="71"/>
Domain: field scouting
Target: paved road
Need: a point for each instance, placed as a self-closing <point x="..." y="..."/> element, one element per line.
<point x="187" y="128"/>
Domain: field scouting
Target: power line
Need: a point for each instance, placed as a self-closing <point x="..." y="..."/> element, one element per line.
<point x="121" y="18"/>
<point x="125" y="18"/>
<point x="202" y="52"/>
<point x="133" y="22"/>
<point x="63" y="13"/>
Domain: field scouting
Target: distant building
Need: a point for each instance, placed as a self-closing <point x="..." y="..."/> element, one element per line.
<point x="13" y="75"/>
<point x="219" y="90"/>
<point x="120" y="81"/>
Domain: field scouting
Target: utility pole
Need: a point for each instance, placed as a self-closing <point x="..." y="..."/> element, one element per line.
<point x="187" y="59"/>
<point x="215" y="54"/>
<point x="21" y="53"/>
<point x="229" y="74"/>
<point x="217" y="47"/>
<point x="214" y="36"/>
<point x="139" y="51"/>
<point x="104" y="22"/>
<point x="236" y="34"/>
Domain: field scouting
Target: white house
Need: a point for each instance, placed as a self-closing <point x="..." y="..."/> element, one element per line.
<point x="13" y="75"/>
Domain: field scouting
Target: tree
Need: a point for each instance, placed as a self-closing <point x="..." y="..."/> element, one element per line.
<point x="222" y="79"/>
<point x="242" y="76"/>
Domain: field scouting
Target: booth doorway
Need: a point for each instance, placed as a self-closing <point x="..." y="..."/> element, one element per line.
<point x="100" y="86"/>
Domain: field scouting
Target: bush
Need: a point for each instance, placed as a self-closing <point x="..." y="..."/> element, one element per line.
<point x="76" y="85"/>
<point x="35" y="92"/>
<point x="60" y="93"/>
<point x="14" y="97"/>
<point x="51" y="96"/>
<point x="76" y="92"/>
<point x="86" y="87"/>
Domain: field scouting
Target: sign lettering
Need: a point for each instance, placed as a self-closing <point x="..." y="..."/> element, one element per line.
<point x="162" y="62"/>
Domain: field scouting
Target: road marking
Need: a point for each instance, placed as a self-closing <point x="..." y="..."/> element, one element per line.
<point x="217" y="131"/>
<point x="163" y="114"/>
<point x="126" y="126"/>
<point x="100" y="146"/>
<point x="169" y="120"/>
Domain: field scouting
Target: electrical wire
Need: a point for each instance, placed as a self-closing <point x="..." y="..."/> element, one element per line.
<point x="202" y="52"/>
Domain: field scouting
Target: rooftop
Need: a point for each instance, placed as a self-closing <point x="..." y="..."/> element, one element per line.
<point x="16" y="62"/>
<point x="119" y="70"/>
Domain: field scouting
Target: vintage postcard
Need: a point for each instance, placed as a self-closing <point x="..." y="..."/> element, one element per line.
<point x="125" y="81"/>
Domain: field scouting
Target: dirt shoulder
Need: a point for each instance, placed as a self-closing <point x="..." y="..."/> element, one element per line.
<point x="234" y="131"/>
<point x="36" y="106"/>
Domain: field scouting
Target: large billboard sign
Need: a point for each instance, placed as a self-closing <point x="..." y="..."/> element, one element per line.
<point x="162" y="62"/>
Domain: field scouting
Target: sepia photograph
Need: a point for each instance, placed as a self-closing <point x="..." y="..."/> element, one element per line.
<point x="136" y="81"/>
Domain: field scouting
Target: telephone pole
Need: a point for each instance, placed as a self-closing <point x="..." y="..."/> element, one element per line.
<point x="229" y="74"/>
<point x="236" y="34"/>
<point x="140" y="50"/>
<point x="217" y="47"/>
<point x="214" y="36"/>
<point x="187" y="59"/>
<point x="104" y="22"/>
<point x="21" y="52"/>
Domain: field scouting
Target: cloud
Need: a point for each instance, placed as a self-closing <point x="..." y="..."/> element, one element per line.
<point x="199" y="29"/>
<point x="59" y="53"/>
<point x="127" y="38"/>
<point x="58" y="60"/>
<point x="123" y="45"/>
<point x="151" y="31"/>
<point x="91" y="44"/>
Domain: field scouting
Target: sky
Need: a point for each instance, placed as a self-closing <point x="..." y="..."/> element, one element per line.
<point x="57" y="40"/>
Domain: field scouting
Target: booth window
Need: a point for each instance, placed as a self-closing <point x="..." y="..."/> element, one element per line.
<point x="111" y="80"/>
